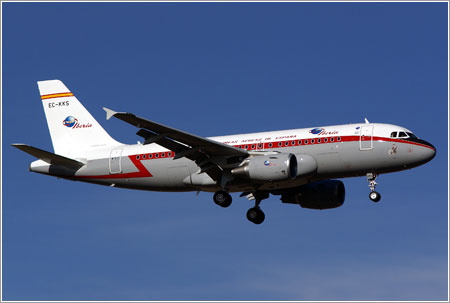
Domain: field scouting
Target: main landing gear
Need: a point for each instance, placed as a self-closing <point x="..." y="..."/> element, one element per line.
<point x="222" y="198"/>
<point x="371" y="178"/>
<point x="255" y="214"/>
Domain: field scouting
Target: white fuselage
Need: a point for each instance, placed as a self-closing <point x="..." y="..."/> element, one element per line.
<point x="340" y="151"/>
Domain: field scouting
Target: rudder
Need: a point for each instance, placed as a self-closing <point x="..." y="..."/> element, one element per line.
<point x="72" y="128"/>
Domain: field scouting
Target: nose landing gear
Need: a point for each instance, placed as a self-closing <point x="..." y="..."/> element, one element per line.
<point x="375" y="196"/>
<point x="371" y="178"/>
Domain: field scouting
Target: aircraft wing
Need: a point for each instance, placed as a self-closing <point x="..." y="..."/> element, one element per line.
<point x="184" y="144"/>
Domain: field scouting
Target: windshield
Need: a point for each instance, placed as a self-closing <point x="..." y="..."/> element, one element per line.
<point x="411" y="135"/>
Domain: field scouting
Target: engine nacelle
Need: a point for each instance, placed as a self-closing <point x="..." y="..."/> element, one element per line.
<point x="275" y="167"/>
<point x="306" y="165"/>
<point x="318" y="195"/>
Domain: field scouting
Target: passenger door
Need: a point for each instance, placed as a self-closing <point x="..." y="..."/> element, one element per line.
<point x="115" y="161"/>
<point x="366" y="137"/>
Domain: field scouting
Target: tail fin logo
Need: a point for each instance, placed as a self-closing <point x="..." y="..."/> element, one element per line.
<point x="72" y="122"/>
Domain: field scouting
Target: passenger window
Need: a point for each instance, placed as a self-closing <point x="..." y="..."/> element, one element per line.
<point x="293" y="143"/>
<point x="306" y="141"/>
<point x="325" y="140"/>
<point x="150" y="156"/>
<point x="299" y="142"/>
<point x="260" y="145"/>
<point x="339" y="138"/>
<point x="270" y="144"/>
<point x="286" y="143"/>
<point x="332" y="139"/>
<point x="318" y="140"/>
<point x="137" y="157"/>
<point x="253" y="146"/>
<point x="312" y="141"/>
<point x="280" y="143"/>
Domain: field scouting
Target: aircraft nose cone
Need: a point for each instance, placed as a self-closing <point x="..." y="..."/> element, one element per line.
<point x="429" y="151"/>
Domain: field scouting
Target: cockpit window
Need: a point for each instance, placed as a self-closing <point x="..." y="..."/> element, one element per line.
<point x="394" y="135"/>
<point x="412" y="136"/>
<point x="402" y="135"/>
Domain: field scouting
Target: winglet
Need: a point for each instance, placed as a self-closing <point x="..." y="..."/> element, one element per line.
<point x="109" y="113"/>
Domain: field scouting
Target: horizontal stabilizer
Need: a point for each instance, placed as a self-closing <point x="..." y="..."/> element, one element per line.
<point x="49" y="157"/>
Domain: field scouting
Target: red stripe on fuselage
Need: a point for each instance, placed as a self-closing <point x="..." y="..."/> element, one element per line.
<point x="142" y="173"/>
<point x="401" y="141"/>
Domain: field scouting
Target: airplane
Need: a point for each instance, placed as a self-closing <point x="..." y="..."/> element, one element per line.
<point x="299" y="165"/>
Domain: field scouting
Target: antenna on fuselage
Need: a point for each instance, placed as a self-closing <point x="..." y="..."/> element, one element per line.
<point x="367" y="121"/>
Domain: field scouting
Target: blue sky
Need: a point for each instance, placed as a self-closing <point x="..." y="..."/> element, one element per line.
<point x="217" y="69"/>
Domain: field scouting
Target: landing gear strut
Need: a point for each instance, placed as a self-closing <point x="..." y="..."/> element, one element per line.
<point x="255" y="214"/>
<point x="222" y="198"/>
<point x="371" y="178"/>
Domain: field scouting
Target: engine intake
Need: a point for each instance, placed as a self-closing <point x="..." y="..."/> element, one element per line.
<point x="276" y="167"/>
<point x="318" y="195"/>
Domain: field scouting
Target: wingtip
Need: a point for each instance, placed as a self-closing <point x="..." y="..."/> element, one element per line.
<point x="109" y="113"/>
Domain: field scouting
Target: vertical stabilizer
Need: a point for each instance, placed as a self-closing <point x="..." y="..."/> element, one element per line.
<point x="72" y="128"/>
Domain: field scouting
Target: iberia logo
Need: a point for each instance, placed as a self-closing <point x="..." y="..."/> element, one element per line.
<point x="322" y="132"/>
<point x="268" y="163"/>
<point x="316" y="131"/>
<point x="72" y="122"/>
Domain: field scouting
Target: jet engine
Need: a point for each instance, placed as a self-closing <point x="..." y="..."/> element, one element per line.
<point x="317" y="195"/>
<point x="307" y="165"/>
<point x="275" y="167"/>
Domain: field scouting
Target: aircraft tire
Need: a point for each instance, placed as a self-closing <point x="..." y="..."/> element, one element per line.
<point x="222" y="198"/>
<point x="375" y="196"/>
<point x="255" y="215"/>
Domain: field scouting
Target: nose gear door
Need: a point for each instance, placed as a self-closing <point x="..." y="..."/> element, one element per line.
<point x="366" y="137"/>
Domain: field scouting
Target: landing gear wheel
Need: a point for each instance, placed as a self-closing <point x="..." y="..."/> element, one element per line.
<point x="255" y="215"/>
<point x="371" y="178"/>
<point x="222" y="198"/>
<point x="375" y="196"/>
